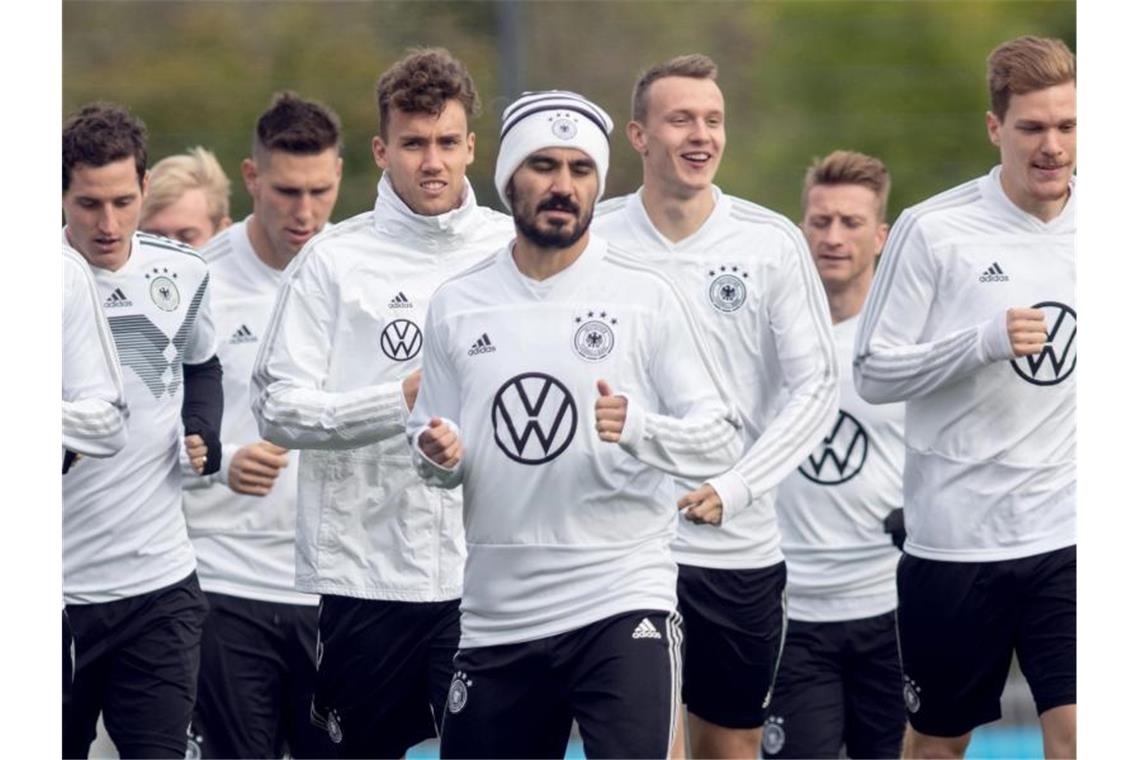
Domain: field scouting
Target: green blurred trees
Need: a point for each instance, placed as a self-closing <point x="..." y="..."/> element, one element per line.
<point x="902" y="80"/>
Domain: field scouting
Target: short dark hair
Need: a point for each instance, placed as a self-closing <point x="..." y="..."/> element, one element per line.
<point x="848" y="167"/>
<point x="100" y="134"/>
<point x="293" y="124"/>
<point x="693" y="65"/>
<point x="422" y="82"/>
<point x="1024" y="65"/>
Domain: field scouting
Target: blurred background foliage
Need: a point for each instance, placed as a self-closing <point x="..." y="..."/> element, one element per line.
<point x="902" y="80"/>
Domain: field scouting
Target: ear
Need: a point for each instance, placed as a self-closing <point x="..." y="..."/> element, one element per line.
<point x="249" y="174"/>
<point x="881" y="237"/>
<point x="993" y="123"/>
<point x="635" y="133"/>
<point x="339" y="167"/>
<point x="470" y="147"/>
<point x="145" y="184"/>
<point x="225" y="222"/>
<point x="379" y="152"/>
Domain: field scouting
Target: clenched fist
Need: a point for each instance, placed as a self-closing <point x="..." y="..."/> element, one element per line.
<point x="255" y="467"/>
<point x="609" y="413"/>
<point x="1027" y="332"/>
<point x="441" y="444"/>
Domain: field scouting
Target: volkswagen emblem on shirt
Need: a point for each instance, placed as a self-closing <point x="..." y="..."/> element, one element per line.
<point x="839" y="456"/>
<point x="163" y="291"/>
<point x="1059" y="357"/>
<point x="401" y="340"/>
<point x="534" y="418"/>
<point x="727" y="290"/>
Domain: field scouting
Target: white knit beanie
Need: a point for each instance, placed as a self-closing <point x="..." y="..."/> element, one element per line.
<point x="551" y="119"/>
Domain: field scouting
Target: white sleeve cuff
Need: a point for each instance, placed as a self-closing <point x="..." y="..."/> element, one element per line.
<point x="995" y="339"/>
<point x="733" y="492"/>
<point x="634" y="428"/>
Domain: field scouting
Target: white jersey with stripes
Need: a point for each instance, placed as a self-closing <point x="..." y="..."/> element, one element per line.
<point x="327" y="379"/>
<point x="123" y="529"/>
<point x="244" y="543"/>
<point x="990" y="440"/>
<point x="761" y="312"/>
<point x="564" y="529"/>
<point x="94" y="409"/>
<point x="841" y="561"/>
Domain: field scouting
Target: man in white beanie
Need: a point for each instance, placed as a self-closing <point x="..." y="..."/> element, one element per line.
<point x="562" y="387"/>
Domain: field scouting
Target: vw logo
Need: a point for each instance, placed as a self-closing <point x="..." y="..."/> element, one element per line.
<point x="534" y="418"/>
<point x="840" y="456"/>
<point x="1059" y="357"/>
<point x="401" y="340"/>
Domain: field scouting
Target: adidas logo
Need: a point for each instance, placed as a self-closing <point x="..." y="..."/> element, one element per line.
<point x="994" y="274"/>
<point x="117" y="299"/>
<point x="645" y="630"/>
<point x="481" y="346"/>
<point x="400" y="302"/>
<point x="243" y="335"/>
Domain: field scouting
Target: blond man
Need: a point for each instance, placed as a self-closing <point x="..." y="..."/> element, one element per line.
<point x="840" y="513"/>
<point x="972" y="322"/>
<point x="189" y="198"/>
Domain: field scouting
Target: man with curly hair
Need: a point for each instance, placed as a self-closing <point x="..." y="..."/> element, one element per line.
<point x="336" y="376"/>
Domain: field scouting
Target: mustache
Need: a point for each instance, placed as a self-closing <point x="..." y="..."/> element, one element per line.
<point x="559" y="203"/>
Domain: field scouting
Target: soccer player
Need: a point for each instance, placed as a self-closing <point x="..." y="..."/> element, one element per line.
<point x="562" y="384"/>
<point x="131" y="592"/>
<point x="747" y="276"/>
<point x="188" y="198"/>
<point x="839" y="684"/>
<point x="336" y="374"/>
<point x="259" y="640"/>
<point x="971" y="321"/>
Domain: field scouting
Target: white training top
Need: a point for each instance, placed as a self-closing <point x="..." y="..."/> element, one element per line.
<point x="123" y="529"/>
<point x="244" y="543"/>
<point x="991" y="441"/>
<point x="564" y="529"/>
<point x="761" y="312"/>
<point x="94" y="410"/>
<point x="841" y="562"/>
<point x="345" y="332"/>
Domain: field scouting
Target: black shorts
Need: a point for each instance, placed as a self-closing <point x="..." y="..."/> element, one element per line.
<point x="383" y="669"/>
<point x="734" y="629"/>
<point x="255" y="689"/>
<point x="961" y="622"/>
<point x="617" y="677"/>
<point x="839" y="685"/>
<point x="137" y="661"/>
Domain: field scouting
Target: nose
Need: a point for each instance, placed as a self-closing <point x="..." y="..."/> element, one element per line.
<point x="106" y="220"/>
<point x="1051" y="146"/>
<point x="303" y="211"/>
<point x="700" y="132"/>
<point x="433" y="160"/>
<point x="560" y="182"/>
<point x="833" y="236"/>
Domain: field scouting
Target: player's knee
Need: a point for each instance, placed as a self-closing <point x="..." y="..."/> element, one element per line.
<point x="1059" y="731"/>
<point x="926" y="747"/>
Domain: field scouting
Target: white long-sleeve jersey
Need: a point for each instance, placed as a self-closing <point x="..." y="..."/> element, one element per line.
<point x="123" y="529"/>
<point x="841" y="562"/>
<point x="327" y="379"/>
<point x="991" y="441"/>
<point x="244" y="543"/>
<point x="94" y="409"/>
<point x="562" y="528"/>
<point x="762" y="313"/>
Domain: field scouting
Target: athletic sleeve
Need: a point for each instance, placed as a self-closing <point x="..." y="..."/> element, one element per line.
<point x="202" y="343"/>
<point x="698" y="433"/>
<point x="892" y="362"/>
<point x="805" y="348"/>
<point x="94" y="408"/>
<point x="287" y="393"/>
<point x="202" y="406"/>
<point x="438" y="397"/>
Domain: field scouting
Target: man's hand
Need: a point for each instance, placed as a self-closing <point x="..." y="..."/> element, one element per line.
<point x="702" y="506"/>
<point x="196" y="452"/>
<point x="411" y="387"/>
<point x="255" y="467"/>
<point x="441" y="444"/>
<point x="1026" y="329"/>
<point x="609" y="413"/>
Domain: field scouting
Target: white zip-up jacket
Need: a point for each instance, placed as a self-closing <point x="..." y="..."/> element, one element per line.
<point x="345" y="332"/>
